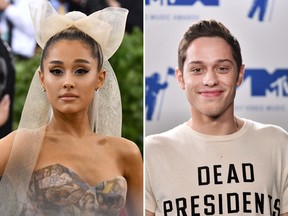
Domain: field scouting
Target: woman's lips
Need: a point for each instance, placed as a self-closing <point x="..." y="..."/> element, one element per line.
<point x="68" y="97"/>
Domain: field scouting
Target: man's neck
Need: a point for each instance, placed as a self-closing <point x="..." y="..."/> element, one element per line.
<point x="221" y="125"/>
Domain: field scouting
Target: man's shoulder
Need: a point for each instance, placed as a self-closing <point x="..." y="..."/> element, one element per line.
<point x="269" y="132"/>
<point x="165" y="137"/>
<point x="266" y="127"/>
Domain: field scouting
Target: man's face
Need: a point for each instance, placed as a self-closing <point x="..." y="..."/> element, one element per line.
<point x="210" y="76"/>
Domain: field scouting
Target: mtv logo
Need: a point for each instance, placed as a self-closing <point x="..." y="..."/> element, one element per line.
<point x="264" y="83"/>
<point x="192" y="2"/>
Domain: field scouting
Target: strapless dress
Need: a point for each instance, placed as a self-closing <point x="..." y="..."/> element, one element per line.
<point x="57" y="191"/>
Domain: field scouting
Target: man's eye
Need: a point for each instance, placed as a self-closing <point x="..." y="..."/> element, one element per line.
<point x="223" y="69"/>
<point x="197" y="70"/>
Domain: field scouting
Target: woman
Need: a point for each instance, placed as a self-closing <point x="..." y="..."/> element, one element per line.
<point x="68" y="152"/>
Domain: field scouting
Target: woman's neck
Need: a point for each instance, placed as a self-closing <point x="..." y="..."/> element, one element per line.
<point x="69" y="124"/>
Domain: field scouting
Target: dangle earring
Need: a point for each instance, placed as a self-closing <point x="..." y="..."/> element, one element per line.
<point x="43" y="89"/>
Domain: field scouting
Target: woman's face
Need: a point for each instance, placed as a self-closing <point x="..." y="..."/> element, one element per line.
<point x="70" y="76"/>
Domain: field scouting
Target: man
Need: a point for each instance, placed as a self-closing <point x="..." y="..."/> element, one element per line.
<point x="215" y="163"/>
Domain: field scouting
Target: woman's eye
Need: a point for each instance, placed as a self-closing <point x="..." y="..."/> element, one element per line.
<point x="81" y="71"/>
<point x="56" y="71"/>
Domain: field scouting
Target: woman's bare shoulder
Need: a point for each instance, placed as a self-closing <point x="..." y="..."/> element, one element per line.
<point x="5" y="149"/>
<point x="123" y="145"/>
<point x="7" y="140"/>
<point x="22" y="133"/>
<point x="21" y="137"/>
<point x="130" y="157"/>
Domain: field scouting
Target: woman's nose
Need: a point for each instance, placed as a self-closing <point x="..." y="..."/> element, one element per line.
<point x="68" y="83"/>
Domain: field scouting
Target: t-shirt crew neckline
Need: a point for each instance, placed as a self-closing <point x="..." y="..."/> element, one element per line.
<point x="219" y="138"/>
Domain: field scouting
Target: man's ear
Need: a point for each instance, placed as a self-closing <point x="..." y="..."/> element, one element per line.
<point x="179" y="77"/>
<point x="240" y="75"/>
<point x="101" y="78"/>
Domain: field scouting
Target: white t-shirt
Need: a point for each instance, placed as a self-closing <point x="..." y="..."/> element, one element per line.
<point x="189" y="173"/>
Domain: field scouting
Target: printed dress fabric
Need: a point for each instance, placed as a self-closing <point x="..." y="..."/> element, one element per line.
<point x="57" y="190"/>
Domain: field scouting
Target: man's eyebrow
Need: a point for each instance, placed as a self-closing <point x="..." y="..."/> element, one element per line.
<point x="217" y="61"/>
<point x="195" y="62"/>
<point x="224" y="60"/>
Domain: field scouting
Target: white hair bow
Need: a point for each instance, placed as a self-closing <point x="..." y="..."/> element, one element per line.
<point x="106" y="26"/>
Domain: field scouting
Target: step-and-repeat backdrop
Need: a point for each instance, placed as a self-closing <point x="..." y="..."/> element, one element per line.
<point x="262" y="30"/>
